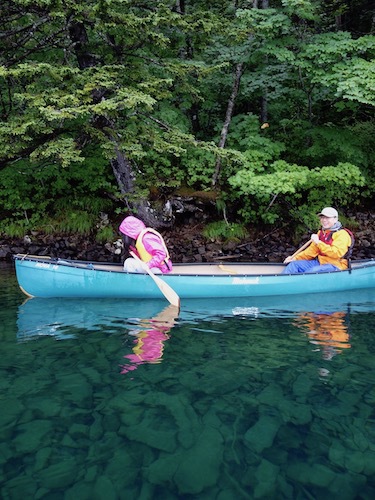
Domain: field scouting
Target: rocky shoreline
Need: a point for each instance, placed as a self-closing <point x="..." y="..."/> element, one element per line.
<point x="186" y="244"/>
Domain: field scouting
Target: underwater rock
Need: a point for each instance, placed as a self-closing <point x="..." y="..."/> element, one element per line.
<point x="159" y="439"/>
<point x="96" y="428"/>
<point x="355" y="461"/>
<point x="148" y="432"/>
<point x="6" y="453"/>
<point x="92" y="375"/>
<point x="78" y="431"/>
<point x="104" y="489"/>
<point x="122" y="468"/>
<point x="298" y="413"/>
<point x="302" y="386"/>
<point x="261" y="435"/>
<point x="59" y="475"/>
<point x="346" y="487"/>
<point x="271" y="395"/>
<point x="226" y="494"/>
<point x="183" y="414"/>
<point x="336" y="453"/>
<point x="199" y="467"/>
<point x="210" y="380"/>
<point x="19" y="486"/>
<point x="162" y="470"/>
<point x="32" y="436"/>
<point x="8" y="415"/>
<point x="266" y="477"/>
<point x="68" y="442"/>
<point x="311" y="475"/>
<point x="359" y="439"/>
<point x="360" y="461"/>
<point x="168" y="418"/>
<point x="369" y="458"/>
<point x="91" y="473"/>
<point x="111" y="422"/>
<point x="350" y="397"/>
<point x="41" y="458"/>
<point x="46" y="407"/>
<point x="78" y="490"/>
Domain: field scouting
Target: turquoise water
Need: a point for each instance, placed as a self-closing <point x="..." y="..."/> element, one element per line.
<point x="272" y="398"/>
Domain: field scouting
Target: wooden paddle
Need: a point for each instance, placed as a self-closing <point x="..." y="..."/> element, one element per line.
<point x="302" y="248"/>
<point x="165" y="289"/>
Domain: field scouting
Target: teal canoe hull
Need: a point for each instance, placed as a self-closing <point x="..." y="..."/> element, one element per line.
<point x="46" y="277"/>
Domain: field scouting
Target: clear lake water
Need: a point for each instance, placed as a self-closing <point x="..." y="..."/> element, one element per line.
<point x="225" y="399"/>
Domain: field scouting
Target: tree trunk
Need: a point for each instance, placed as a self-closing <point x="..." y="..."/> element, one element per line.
<point x="78" y="36"/>
<point x="264" y="109"/>
<point x="231" y="103"/>
<point x="180" y="6"/>
<point x="264" y="100"/>
<point x="228" y="118"/>
<point x="122" y="172"/>
<point x="121" y="166"/>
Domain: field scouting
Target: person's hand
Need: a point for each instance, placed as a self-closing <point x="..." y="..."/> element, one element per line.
<point x="288" y="259"/>
<point x="315" y="238"/>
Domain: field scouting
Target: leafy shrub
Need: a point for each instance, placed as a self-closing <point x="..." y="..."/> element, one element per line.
<point x="224" y="231"/>
<point x="39" y="196"/>
<point x="105" y="234"/>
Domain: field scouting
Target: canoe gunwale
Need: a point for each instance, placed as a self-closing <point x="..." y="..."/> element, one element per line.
<point x="219" y="272"/>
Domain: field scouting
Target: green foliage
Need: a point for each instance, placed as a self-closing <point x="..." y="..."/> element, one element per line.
<point x="105" y="234"/>
<point x="62" y="150"/>
<point x="304" y="9"/>
<point x="351" y="84"/>
<point x="224" y="231"/>
<point x="72" y="196"/>
<point x="70" y="222"/>
<point x="200" y="166"/>
<point x="14" y="229"/>
<point x="325" y="60"/>
<point x="331" y="144"/>
<point x="257" y="149"/>
<point x="340" y="185"/>
<point x="90" y="82"/>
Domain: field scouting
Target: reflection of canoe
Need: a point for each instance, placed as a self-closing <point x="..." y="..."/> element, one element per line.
<point x="46" y="277"/>
<point x="56" y="317"/>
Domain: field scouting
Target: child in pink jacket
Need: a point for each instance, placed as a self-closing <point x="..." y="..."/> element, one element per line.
<point x="147" y="244"/>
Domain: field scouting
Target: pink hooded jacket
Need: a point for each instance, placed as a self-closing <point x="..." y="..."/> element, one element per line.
<point x="132" y="227"/>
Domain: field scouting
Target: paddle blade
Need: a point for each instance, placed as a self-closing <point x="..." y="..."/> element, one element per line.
<point x="165" y="289"/>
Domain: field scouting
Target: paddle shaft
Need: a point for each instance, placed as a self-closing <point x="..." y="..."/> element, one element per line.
<point x="165" y="289"/>
<point x="302" y="248"/>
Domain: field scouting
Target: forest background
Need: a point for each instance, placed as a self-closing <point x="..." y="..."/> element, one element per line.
<point x="261" y="110"/>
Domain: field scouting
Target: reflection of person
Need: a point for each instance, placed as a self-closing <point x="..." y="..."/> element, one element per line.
<point x="329" y="249"/>
<point x="326" y="330"/>
<point x="147" y="244"/>
<point x="149" y="342"/>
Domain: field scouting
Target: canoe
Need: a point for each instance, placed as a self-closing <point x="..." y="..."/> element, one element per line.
<point x="49" y="277"/>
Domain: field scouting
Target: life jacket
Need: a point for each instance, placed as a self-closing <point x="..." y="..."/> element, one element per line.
<point x="143" y="253"/>
<point x="328" y="239"/>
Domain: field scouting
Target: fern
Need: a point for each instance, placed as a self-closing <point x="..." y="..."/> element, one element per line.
<point x="224" y="231"/>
